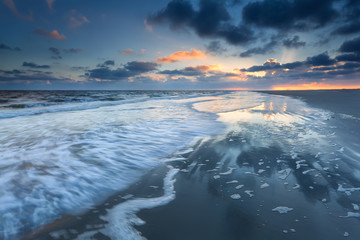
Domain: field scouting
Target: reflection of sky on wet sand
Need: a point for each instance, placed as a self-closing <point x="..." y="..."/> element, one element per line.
<point x="288" y="147"/>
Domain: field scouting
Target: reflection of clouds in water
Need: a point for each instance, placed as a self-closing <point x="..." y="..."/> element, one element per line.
<point x="270" y="135"/>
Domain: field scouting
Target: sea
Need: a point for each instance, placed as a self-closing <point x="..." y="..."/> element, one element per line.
<point x="63" y="153"/>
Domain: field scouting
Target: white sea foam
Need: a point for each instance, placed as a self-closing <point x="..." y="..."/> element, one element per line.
<point x="249" y="192"/>
<point x="283" y="174"/>
<point x="347" y="191"/>
<point x="233" y="181"/>
<point x="228" y="172"/>
<point x="64" y="161"/>
<point x="121" y="219"/>
<point x="307" y="171"/>
<point x="282" y="209"/>
<point x="352" y="214"/>
<point x="235" y="196"/>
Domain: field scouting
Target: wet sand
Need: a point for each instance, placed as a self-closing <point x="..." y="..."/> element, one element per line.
<point x="205" y="206"/>
<point x="246" y="203"/>
<point x="337" y="101"/>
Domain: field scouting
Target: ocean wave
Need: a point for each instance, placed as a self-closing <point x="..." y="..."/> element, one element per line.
<point x="70" y="160"/>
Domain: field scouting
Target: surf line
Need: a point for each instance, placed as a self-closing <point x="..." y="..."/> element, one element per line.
<point x="122" y="217"/>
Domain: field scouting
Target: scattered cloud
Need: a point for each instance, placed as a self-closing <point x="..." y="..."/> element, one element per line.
<point x="73" y="50"/>
<point x="106" y="64"/>
<point x="199" y="70"/>
<point x="215" y="47"/>
<point x="267" y="48"/>
<point x="34" y="65"/>
<point x="130" y="69"/>
<point x="293" y="42"/>
<point x="126" y="51"/>
<point x="181" y="56"/>
<point x="141" y="66"/>
<point x="6" y="47"/>
<point x="53" y="34"/>
<point x="14" y="71"/>
<point x="39" y="76"/>
<point x="313" y="68"/>
<point x="76" y="19"/>
<point x="56" y="53"/>
<point x="10" y="4"/>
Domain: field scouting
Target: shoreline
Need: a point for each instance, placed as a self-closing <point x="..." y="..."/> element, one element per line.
<point x="229" y="189"/>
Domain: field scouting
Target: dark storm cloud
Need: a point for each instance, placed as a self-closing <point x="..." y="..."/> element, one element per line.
<point x="212" y="20"/>
<point x="178" y="13"/>
<point x="350" y="28"/>
<point x="128" y="70"/>
<point x="293" y="42"/>
<point x="215" y="47"/>
<point x="73" y="50"/>
<point x="34" y="65"/>
<point x="348" y="57"/>
<point x="209" y="17"/>
<point x="285" y="14"/>
<point x="6" y="47"/>
<point x="351" y="46"/>
<point x="56" y="53"/>
<point x="320" y="60"/>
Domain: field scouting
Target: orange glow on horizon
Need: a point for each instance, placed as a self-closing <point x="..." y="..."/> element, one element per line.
<point x="182" y="55"/>
<point x="314" y="86"/>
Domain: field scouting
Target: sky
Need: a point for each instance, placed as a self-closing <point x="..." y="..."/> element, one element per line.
<point x="179" y="44"/>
